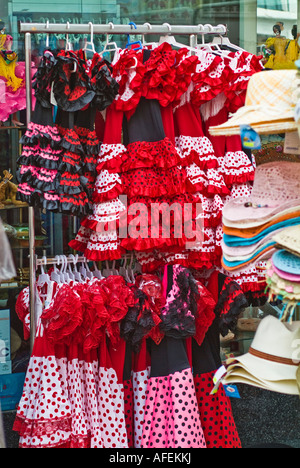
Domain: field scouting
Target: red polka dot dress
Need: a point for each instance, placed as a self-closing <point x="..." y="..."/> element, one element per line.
<point x="44" y="415"/>
<point x="172" y="418"/>
<point x="98" y="236"/>
<point x="225" y="302"/>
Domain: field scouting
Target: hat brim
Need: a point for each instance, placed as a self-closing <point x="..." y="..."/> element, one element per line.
<point x="240" y="375"/>
<point x="236" y="214"/>
<point x="262" y="369"/>
<point x="232" y="126"/>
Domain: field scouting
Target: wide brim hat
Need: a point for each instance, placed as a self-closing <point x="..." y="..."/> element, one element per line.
<point x="269" y="105"/>
<point x="276" y="188"/>
<point x="289" y="239"/>
<point x="272" y="361"/>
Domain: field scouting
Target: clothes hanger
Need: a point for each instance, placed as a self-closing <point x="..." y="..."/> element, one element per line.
<point x="89" y="273"/>
<point x="70" y="272"/>
<point x="47" y="35"/>
<point x="147" y="44"/>
<point x="97" y="273"/>
<point x="64" y="274"/>
<point x="55" y="276"/>
<point x="129" y="43"/>
<point x="173" y="42"/>
<point x="68" y="43"/>
<point x="76" y="273"/>
<point x="109" y="46"/>
<point x="43" y="277"/>
<point x="89" y="46"/>
<point x="224" y="41"/>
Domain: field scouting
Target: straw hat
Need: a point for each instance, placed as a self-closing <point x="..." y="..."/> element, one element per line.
<point x="289" y="239"/>
<point x="273" y="359"/>
<point x="276" y="189"/>
<point x="269" y="105"/>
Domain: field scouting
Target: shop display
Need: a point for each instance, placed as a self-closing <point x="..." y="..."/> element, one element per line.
<point x="177" y="230"/>
<point x="131" y="343"/>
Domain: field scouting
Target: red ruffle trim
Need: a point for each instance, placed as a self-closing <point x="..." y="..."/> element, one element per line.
<point x="155" y="183"/>
<point x="101" y="197"/>
<point x="113" y="164"/>
<point x="102" y="256"/>
<point x="76" y="245"/>
<point x="161" y="154"/>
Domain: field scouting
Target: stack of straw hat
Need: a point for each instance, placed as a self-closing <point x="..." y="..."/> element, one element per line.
<point x="283" y="271"/>
<point x="250" y="223"/>
<point x="269" y="105"/>
<point x="273" y="360"/>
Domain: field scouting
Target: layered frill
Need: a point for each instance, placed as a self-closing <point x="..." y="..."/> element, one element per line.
<point x="39" y="176"/>
<point x="91" y="379"/>
<point x="58" y="161"/>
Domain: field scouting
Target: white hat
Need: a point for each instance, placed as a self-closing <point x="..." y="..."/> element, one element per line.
<point x="273" y="359"/>
<point x="269" y="106"/>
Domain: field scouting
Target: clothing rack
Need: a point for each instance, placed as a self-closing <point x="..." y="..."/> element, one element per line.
<point x="119" y="29"/>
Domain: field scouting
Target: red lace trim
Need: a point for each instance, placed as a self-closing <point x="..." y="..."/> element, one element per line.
<point x="37" y="428"/>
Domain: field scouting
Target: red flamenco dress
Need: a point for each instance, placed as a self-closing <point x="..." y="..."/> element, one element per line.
<point x="44" y="416"/>
<point x="98" y="236"/>
<point x="172" y="418"/>
<point x="152" y="172"/>
<point x="221" y="302"/>
<point x="140" y="325"/>
<point x="238" y="168"/>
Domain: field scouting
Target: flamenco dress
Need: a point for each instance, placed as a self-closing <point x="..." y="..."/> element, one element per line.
<point x="43" y="416"/>
<point x="172" y="418"/>
<point x="80" y="338"/>
<point x="225" y="302"/>
<point x="38" y="175"/>
<point x="150" y="170"/>
<point x="98" y="236"/>
<point x="140" y="325"/>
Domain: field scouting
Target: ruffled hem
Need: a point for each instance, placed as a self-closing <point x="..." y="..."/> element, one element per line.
<point x="147" y="244"/>
<point x="32" y="429"/>
<point x="102" y="256"/>
<point x="112" y="193"/>
<point x="198" y="150"/>
<point x="111" y="157"/>
<point x="143" y="154"/>
<point x="154" y="183"/>
<point x="42" y="135"/>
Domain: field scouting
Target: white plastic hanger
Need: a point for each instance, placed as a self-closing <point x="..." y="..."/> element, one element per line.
<point x="224" y="41"/>
<point x="109" y="46"/>
<point x="124" y="272"/>
<point x="170" y="39"/>
<point x="76" y="273"/>
<point x="89" y="273"/>
<point x="64" y="274"/>
<point x="43" y="277"/>
<point x="47" y="35"/>
<point x="89" y="46"/>
<point x="55" y="273"/>
<point x="68" y="43"/>
<point x="97" y="273"/>
<point x="144" y="42"/>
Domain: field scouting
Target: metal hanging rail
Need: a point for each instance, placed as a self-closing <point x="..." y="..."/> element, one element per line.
<point x="52" y="28"/>
<point x="147" y="28"/>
